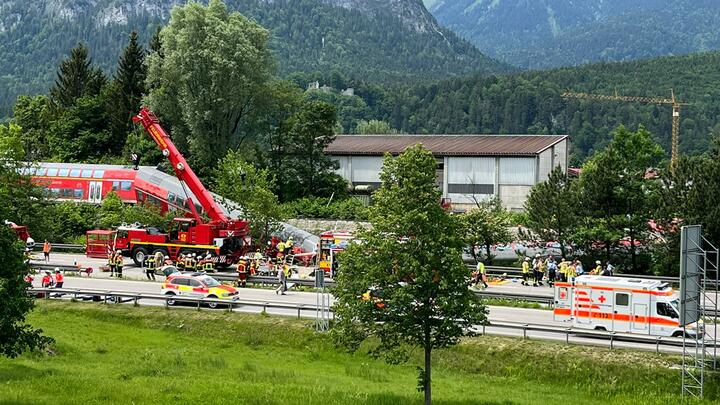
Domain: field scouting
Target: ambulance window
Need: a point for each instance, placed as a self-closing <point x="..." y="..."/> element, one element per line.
<point x="622" y="300"/>
<point x="664" y="309"/>
<point x="193" y="283"/>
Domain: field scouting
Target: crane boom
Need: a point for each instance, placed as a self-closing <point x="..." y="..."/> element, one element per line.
<point x="675" y="141"/>
<point x="182" y="170"/>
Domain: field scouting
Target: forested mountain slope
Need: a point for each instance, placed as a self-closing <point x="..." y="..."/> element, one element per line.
<point x="549" y="33"/>
<point x="380" y="40"/>
<point x="531" y="102"/>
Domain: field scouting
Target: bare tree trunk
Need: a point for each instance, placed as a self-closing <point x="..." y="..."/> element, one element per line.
<point x="428" y="353"/>
<point x="487" y="248"/>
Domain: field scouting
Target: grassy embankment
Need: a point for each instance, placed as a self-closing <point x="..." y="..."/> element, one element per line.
<point x="123" y="355"/>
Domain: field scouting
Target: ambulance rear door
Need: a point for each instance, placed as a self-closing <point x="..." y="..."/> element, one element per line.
<point x="563" y="303"/>
<point x="582" y="308"/>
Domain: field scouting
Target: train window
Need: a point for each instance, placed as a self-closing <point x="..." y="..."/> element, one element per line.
<point x="52" y="172"/>
<point x="55" y="191"/>
<point x="125" y="185"/>
<point x="171" y="197"/>
<point x="86" y="173"/>
<point x="98" y="174"/>
<point x="41" y="171"/>
<point x="116" y="185"/>
<point x="66" y="192"/>
<point x="180" y="202"/>
<point x="74" y="172"/>
<point x="31" y="171"/>
<point x="139" y="196"/>
<point x="64" y="172"/>
<point x="78" y="193"/>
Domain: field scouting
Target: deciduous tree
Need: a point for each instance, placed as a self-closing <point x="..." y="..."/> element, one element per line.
<point x="551" y="209"/>
<point x="615" y="194"/>
<point x="243" y="183"/>
<point x="214" y="67"/>
<point x="409" y="268"/>
<point x="486" y="225"/>
<point x="16" y="336"/>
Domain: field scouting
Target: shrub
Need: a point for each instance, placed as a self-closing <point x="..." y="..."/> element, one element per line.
<point x="349" y="209"/>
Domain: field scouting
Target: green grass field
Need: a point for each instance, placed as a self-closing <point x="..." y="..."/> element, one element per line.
<point x="125" y="355"/>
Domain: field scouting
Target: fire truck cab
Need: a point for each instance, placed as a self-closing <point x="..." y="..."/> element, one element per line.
<point x="618" y="304"/>
<point x="332" y="243"/>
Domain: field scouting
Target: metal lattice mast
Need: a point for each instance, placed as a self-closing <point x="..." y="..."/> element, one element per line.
<point x="699" y="268"/>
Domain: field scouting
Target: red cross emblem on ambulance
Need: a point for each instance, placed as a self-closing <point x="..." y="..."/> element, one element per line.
<point x="563" y="295"/>
<point x="602" y="299"/>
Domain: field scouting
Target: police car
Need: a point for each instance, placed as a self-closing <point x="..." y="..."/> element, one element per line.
<point x="197" y="286"/>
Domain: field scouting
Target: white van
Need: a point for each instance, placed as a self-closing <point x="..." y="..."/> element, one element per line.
<point x="633" y="305"/>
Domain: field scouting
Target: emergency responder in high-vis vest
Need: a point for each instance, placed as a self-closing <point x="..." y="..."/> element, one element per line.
<point x="526" y="271"/>
<point x="150" y="267"/>
<point x="111" y="263"/>
<point x="562" y="270"/>
<point x="570" y="272"/>
<point x="180" y="262"/>
<point x="208" y="264"/>
<point x="190" y="262"/>
<point x="119" y="262"/>
<point x="482" y="277"/>
<point x="242" y="269"/>
<point x="288" y="246"/>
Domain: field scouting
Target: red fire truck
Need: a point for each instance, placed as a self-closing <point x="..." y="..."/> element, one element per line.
<point x="332" y="243"/>
<point x="223" y="238"/>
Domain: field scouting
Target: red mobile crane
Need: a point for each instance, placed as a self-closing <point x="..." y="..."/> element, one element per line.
<point x="223" y="238"/>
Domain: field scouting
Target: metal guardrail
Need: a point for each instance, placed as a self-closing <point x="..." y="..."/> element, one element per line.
<point x="134" y="298"/>
<point x="127" y="297"/>
<point x="272" y="280"/>
<point x="514" y="272"/>
<point x="60" y="246"/>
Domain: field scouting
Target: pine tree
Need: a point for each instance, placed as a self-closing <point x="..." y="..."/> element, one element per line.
<point x="128" y="89"/>
<point x="76" y="78"/>
<point x="156" y="42"/>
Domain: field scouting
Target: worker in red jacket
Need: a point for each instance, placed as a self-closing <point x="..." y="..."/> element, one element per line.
<point x="59" y="279"/>
<point x="47" y="280"/>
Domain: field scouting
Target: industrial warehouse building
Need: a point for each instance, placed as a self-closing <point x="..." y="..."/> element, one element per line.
<point x="470" y="167"/>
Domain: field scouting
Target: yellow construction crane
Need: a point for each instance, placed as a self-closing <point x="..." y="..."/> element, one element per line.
<point x="647" y="100"/>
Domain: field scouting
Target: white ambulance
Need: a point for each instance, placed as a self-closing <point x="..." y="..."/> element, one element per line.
<point x="619" y="304"/>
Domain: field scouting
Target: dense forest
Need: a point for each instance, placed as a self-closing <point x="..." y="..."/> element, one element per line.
<point x="531" y="102"/>
<point x="308" y="35"/>
<point x="543" y="33"/>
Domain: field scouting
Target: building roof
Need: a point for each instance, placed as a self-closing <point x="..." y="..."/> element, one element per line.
<point x="444" y="145"/>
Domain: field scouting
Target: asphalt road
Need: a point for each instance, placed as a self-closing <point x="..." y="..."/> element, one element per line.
<point x="497" y="315"/>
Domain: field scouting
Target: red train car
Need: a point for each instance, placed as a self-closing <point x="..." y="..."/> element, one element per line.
<point x="91" y="183"/>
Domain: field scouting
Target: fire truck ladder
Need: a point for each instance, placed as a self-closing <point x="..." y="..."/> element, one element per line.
<point x="699" y="268"/>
